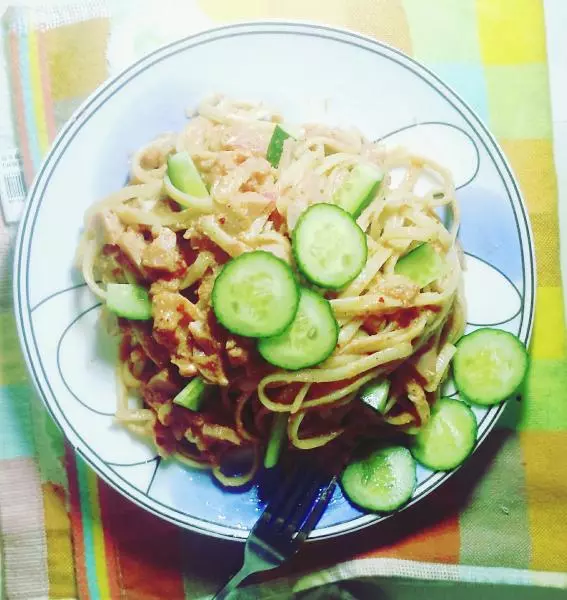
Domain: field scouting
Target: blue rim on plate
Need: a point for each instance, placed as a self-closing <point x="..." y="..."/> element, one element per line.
<point x="26" y="306"/>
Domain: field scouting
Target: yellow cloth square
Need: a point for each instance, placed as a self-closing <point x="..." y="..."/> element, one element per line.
<point x="448" y="36"/>
<point x="384" y="20"/>
<point x="546" y="486"/>
<point x="511" y="31"/>
<point x="76" y="55"/>
<point x="512" y="116"/>
<point x="546" y="236"/>
<point x="549" y="326"/>
<point x="532" y="161"/>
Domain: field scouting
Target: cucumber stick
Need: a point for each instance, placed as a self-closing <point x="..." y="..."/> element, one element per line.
<point x="184" y="175"/>
<point x="129" y="301"/>
<point x="449" y="436"/>
<point x="275" y="147"/>
<point x="329" y="247"/>
<point x="275" y="442"/>
<point x="310" y="339"/>
<point x="383" y="481"/>
<point x="255" y="295"/>
<point x="193" y="394"/>
<point x="422" y="265"/>
<point x="359" y="189"/>
<point x="375" y="394"/>
<point x="489" y="365"/>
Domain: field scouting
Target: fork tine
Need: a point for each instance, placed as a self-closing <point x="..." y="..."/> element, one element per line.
<point x="298" y="495"/>
<point x="308" y="498"/>
<point x="279" y="498"/>
<point x="318" y="509"/>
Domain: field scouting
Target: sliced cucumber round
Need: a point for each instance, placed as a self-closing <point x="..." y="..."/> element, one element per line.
<point x="489" y="365"/>
<point x="381" y="482"/>
<point x="309" y="340"/>
<point x="448" y="437"/>
<point x="328" y="245"/>
<point x="255" y="295"/>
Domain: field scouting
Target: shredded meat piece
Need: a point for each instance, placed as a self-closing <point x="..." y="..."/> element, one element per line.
<point x="132" y="243"/>
<point x="238" y="351"/>
<point x="162" y="254"/>
<point x="202" y="242"/>
<point x="172" y="315"/>
<point x="398" y="287"/>
<point x="124" y="244"/>
<point x="165" y="440"/>
<point x="142" y="334"/>
<point x="164" y="285"/>
<point x="208" y="339"/>
<point x="164" y="381"/>
<point x="110" y="226"/>
<point x="246" y="138"/>
<point x="205" y="290"/>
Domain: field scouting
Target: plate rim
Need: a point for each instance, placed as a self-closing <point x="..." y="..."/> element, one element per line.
<point x="103" y="93"/>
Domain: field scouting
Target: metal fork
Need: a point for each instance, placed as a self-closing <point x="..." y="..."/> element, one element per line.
<point x="285" y="524"/>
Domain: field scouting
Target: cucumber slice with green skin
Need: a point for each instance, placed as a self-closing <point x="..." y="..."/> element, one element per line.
<point x="184" y="175"/>
<point x="255" y="295"/>
<point x="275" y="147"/>
<point x="309" y="340"/>
<point x="329" y="247"/>
<point x="383" y="481"/>
<point x="193" y="394"/>
<point x="277" y="434"/>
<point x="422" y="265"/>
<point x="375" y="394"/>
<point x="129" y="301"/>
<point x="489" y="365"/>
<point x="359" y="189"/>
<point x="449" y="436"/>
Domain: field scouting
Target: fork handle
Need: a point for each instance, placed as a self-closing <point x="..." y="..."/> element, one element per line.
<point x="233" y="583"/>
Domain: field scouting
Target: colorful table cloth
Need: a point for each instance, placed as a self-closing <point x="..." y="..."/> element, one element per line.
<point x="502" y="518"/>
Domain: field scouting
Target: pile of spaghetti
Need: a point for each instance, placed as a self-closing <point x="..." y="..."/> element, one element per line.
<point x="389" y="326"/>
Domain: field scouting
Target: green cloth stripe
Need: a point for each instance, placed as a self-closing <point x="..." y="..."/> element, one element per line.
<point x="494" y="523"/>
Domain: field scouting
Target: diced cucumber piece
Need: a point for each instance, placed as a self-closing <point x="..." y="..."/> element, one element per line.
<point x="328" y="245"/>
<point x="448" y="437"/>
<point x="193" y="394"/>
<point x="489" y="365"/>
<point x="310" y="339"/>
<point x="277" y="435"/>
<point x="129" y="301"/>
<point x="375" y="394"/>
<point x="275" y="148"/>
<point x="422" y="265"/>
<point x="184" y="175"/>
<point x="383" y="481"/>
<point x="255" y="295"/>
<point x="359" y="189"/>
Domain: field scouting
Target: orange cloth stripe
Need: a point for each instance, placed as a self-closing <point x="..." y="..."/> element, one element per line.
<point x="148" y="550"/>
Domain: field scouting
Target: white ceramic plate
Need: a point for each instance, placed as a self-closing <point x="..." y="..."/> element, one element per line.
<point x="310" y="73"/>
